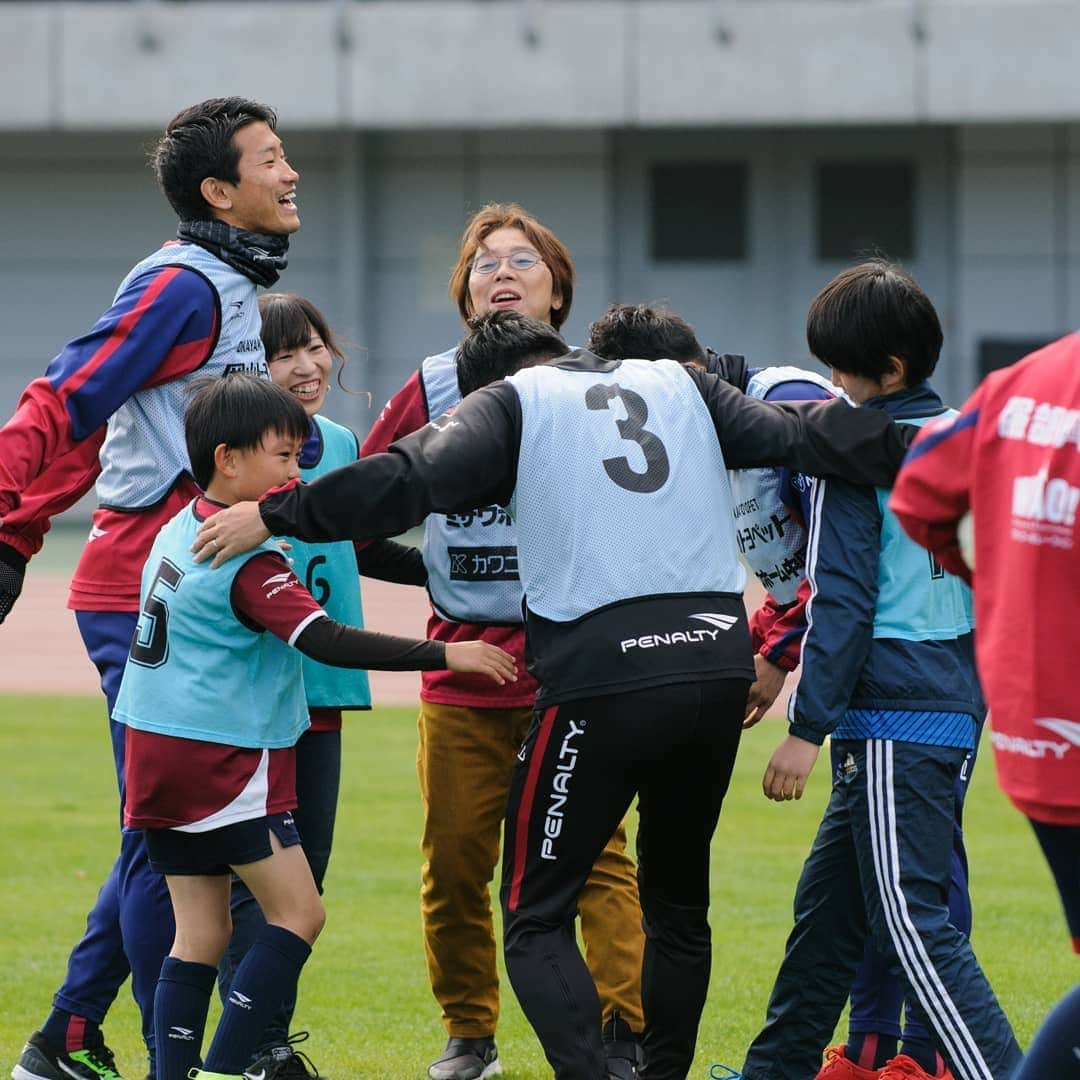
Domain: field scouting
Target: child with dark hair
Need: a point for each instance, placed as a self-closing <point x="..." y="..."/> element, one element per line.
<point x="300" y="351"/>
<point x="213" y="700"/>
<point x="888" y="671"/>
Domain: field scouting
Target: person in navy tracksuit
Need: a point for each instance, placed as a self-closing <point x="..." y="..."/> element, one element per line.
<point x="888" y="671"/>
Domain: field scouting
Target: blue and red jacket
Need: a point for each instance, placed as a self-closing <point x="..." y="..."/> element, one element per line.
<point x="163" y="324"/>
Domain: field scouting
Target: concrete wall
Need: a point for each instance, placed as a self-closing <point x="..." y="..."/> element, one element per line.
<point x="997" y="234"/>
<point x="550" y="63"/>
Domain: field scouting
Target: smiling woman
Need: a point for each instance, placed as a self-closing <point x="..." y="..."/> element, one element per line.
<point x="508" y="260"/>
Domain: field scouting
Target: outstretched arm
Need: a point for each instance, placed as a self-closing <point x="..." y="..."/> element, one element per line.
<point x="831" y="438"/>
<point x="464" y="459"/>
<point x="291" y="613"/>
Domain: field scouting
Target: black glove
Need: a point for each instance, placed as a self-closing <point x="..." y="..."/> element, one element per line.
<point x="12" y="572"/>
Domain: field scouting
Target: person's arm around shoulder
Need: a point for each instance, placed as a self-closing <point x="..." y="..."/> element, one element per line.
<point x="825" y="438"/>
<point x="464" y="459"/>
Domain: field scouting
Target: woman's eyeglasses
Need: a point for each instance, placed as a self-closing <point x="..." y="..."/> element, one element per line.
<point x="518" y="260"/>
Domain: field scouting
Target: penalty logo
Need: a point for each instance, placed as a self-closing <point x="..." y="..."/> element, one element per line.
<point x="279" y="582"/>
<point x="716" y="622"/>
<point x="1068" y="730"/>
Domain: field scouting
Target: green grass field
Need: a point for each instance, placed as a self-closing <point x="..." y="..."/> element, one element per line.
<point x="364" y="995"/>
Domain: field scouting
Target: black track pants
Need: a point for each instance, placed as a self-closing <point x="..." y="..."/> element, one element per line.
<point x="577" y="773"/>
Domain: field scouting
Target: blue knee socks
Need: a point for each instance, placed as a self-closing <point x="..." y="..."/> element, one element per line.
<point x="266" y="977"/>
<point x="181" y="1001"/>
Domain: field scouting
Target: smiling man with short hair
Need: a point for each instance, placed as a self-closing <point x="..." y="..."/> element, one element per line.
<point x="120" y="389"/>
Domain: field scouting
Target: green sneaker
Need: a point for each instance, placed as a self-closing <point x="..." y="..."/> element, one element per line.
<point x="40" y="1060"/>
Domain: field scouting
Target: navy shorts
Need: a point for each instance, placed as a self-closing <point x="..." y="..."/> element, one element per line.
<point x="217" y="851"/>
<point x="1061" y="846"/>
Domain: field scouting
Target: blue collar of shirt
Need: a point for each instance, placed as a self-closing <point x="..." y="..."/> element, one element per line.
<point x="312" y="450"/>
<point x="919" y="400"/>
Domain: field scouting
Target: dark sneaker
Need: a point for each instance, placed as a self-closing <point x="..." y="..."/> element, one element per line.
<point x="285" y="1063"/>
<point x="41" y="1060"/>
<point x="621" y="1048"/>
<point x="466" y="1059"/>
<point x="202" y="1074"/>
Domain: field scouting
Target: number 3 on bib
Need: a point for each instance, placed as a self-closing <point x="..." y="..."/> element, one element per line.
<point x="657" y="467"/>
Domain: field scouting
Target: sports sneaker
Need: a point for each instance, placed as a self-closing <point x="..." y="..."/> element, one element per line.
<point x="466" y="1059"/>
<point x="621" y="1048"/>
<point x="202" y="1074"/>
<point x="285" y="1063"/>
<point x="903" y="1067"/>
<point x="838" y="1067"/>
<point x="40" y="1060"/>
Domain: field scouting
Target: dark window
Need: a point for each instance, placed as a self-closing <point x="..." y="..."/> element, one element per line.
<point x="865" y="208"/>
<point x="997" y="353"/>
<point x="699" y="212"/>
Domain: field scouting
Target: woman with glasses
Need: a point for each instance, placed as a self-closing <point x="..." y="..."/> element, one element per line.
<point x="469" y="735"/>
